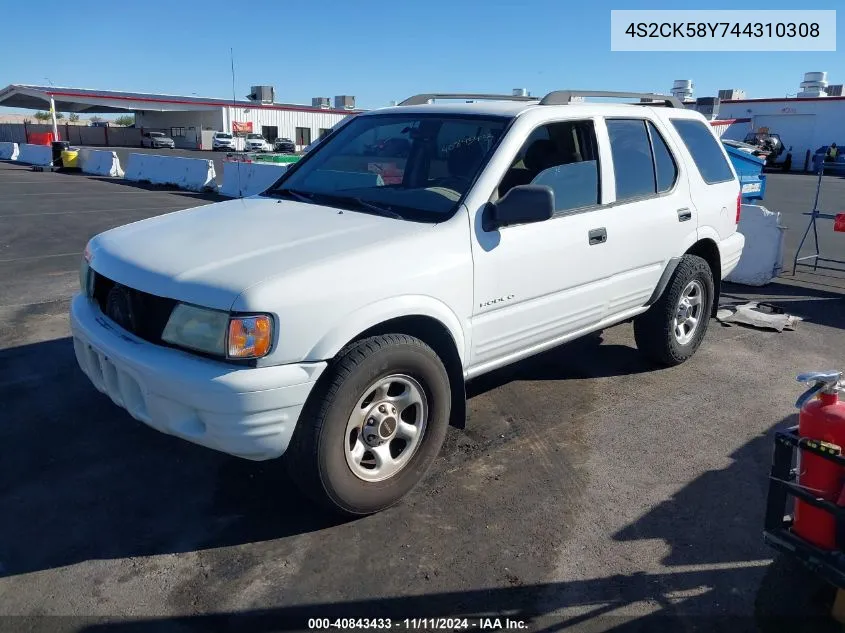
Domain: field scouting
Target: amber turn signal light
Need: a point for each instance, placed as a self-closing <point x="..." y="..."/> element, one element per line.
<point x="250" y="336"/>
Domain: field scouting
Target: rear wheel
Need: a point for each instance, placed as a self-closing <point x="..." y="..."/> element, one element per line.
<point x="374" y="427"/>
<point x="672" y="329"/>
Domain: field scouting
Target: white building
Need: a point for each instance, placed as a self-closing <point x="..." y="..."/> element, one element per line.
<point x="190" y="121"/>
<point x="806" y="122"/>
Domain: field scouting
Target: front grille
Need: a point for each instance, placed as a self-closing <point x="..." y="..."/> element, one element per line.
<point x="149" y="312"/>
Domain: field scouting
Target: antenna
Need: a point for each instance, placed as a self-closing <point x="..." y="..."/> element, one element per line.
<point x="234" y="110"/>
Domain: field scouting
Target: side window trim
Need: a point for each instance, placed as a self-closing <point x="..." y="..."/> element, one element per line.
<point x="649" y="125"/>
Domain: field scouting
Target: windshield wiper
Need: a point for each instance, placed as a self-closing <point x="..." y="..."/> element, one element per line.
<point x="298" y="195"/>
<point x="385" y="211"/>
<point x="311" y="197"/>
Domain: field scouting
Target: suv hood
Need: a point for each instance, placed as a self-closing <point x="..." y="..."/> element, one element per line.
<point x="208" y="255"/>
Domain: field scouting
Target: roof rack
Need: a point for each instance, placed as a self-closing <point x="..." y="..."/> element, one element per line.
<point x="563" y="97"/>
<point x="558" y="97"/>
<point x="425" y="98"/>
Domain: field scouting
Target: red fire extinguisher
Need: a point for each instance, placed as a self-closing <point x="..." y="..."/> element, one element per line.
<point x="822" y="418"/>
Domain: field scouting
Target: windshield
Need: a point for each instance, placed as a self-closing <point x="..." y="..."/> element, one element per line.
<point x="224" y="136"/>
<point x="157" y="134"/>
<point x="407" y="164"/>
<point x="254" y="136"/>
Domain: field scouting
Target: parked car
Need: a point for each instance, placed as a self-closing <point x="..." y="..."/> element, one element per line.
<point x="223" y="141"/>
<point x="284" y="145"/>
<point x="294" y="338"/>
<point x="257" y="143"/>
<point x="156" y="140"/>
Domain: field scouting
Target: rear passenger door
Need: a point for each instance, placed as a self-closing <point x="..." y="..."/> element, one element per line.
<point x="712" y="182"/>
<point x="652" y="219"/>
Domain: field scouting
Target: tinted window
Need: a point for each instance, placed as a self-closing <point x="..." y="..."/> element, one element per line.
<point x="562" y="156"/>
<point x="667" y="171"/>
<point x="632" y="164"/>
<point x="705" y="150"/>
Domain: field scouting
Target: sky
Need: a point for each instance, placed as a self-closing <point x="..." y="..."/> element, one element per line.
<point x="374" y="49"/>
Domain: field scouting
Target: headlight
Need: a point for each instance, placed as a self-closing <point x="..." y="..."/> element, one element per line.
<point x="85" y="272"/>
<point x="215" y="332"/>
<point x="196" y="328"/>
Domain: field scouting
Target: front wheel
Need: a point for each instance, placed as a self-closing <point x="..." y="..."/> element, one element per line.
<point x="374" y="426"/>
<point x="672" y="329"/>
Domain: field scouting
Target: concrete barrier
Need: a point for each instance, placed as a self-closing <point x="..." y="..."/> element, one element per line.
<point x="35" y="154"/>
<point x="193" y="174"/>
<point x="100" y="163"/>
<point x="762" y="257"/>
<point x="248" y="179"/>
<point x="9" y="151"/>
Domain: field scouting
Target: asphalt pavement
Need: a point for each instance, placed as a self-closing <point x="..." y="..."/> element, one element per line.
<point x="589" y="489"/>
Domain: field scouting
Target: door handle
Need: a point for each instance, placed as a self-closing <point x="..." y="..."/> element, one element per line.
<point x="598" y="236"/>
<point x="684" y="215"/>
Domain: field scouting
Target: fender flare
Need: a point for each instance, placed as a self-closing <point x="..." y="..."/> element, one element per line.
<point x="372" y="315"/>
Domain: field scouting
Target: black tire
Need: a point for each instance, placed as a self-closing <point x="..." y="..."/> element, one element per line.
<point x="316" y="457"/>
<point x="654" y="329"/>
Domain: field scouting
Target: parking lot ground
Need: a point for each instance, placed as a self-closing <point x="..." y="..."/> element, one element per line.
<point x="588" y="488"/>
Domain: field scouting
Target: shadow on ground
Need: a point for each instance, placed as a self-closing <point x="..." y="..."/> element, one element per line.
<point x="93" y="484"/>
<point x="208" y="196"/>
<point x="726" y="546"/>
<point x="90" y="469"/>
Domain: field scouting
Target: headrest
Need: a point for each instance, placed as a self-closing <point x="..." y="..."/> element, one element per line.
<point x="540" y="155"/>
<point x="464" y="159"/>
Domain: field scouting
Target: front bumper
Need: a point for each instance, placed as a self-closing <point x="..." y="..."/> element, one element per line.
<point x="246" y="412"/>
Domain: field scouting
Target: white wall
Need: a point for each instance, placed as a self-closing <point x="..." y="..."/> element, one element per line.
<point x="194" y="121"/>
<point x="286" y="120"/>
<point x="804" y="124"/>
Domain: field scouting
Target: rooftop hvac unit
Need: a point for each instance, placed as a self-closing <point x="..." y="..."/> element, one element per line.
<point x="814" y="85"/>
<point x="731" y="94"/>
<point x="708" y="106"/>
<point x="263" y="94"/>
<point x="344" y="102"/>
<point x="682" y="89"/>
<point x="834" y="90"/>
<point x="321" y="102"/>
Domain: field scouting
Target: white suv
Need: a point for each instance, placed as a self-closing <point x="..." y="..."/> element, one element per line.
<point x="335" y="317"/>
<point x="257" y="143"/>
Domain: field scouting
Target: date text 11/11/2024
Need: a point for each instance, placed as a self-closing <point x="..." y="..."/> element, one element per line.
<point x="417" y="624"/>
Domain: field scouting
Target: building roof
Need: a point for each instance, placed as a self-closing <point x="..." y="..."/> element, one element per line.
<point x="784" y="99"/>
<point x="83" y="100"/>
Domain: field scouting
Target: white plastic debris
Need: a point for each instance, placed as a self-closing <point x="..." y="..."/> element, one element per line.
<point x="761" y="316"/>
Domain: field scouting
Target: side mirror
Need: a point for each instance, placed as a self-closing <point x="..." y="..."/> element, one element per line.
<point x="521" y="205"/>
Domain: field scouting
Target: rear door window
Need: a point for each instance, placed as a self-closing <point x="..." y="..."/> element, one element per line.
<point x="633" y="166"/>
<point x="705" y="150"/>
<point x="664" y="165"/>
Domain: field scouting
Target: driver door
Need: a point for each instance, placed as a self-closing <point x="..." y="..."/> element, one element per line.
<point x="535" y="283"/>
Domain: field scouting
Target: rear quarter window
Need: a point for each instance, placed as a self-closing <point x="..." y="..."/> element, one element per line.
<point x="705" y="150"/>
